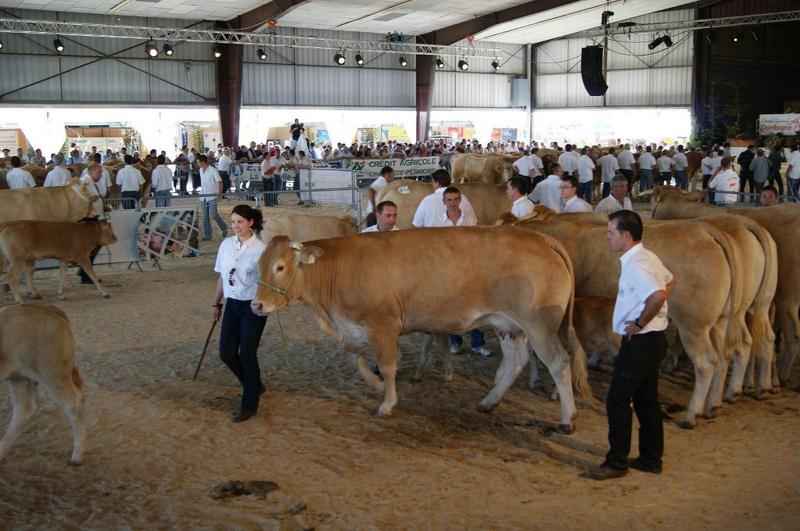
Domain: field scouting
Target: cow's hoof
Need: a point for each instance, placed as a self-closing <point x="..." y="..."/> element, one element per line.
<point x="106" y="295"/>
<point x="708" y="415"/>
<point x="775" y="390"/>
<point x="758" y="395"/>
<point x="554" y="396"/>
<point x="75" y="462"/>
<point x="485" y="408"/>
<point x="731" y="399"/>
<point x="566" y="429"/>
<point x="687" y="424"/>
<point x="383" y="411"/>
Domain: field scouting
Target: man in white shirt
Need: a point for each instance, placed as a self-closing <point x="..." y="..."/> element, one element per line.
<point x="525" y="169"/>
<point x="618" y="198"/>
<point x="626" y="162"/>
<point x="548" y="192"/>
<point x="386" y="217"/>
<point x="681" y="163"/>
<point x="93" y="175"/>
<point x="271" y="176"/>
<point x="210" y="192"/>
<point x="640" y="316"/>
<point x="665" y="165"/>
<point x="432" y="207"/>
<point x="103" y="182"/>
<point x="386" y="176"/>
<point x="59" y="175"/>
<point x="130" y="181"/>
<point x="162" y="182"/>
<point x="223" y="167"/>
<point x="516" y="188"/>
<point x="793" y="173"/>
<point x="17" y="177"/>
<point x="585" y="175"/>
<point x="537" y="169"/>
<point x="568" y="161"/>
<point x="609" y="167"/>
<point x="569" y="196"/>
<point x="726" y="184"/>
<point x="646" y="164"/>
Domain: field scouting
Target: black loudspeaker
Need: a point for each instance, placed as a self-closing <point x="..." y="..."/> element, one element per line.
<point x="592" y="70"/>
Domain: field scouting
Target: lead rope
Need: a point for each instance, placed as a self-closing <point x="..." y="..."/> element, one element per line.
<point x="283" y="339"/>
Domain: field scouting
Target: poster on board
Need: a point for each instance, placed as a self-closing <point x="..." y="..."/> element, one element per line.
<point x="168" y="232"/>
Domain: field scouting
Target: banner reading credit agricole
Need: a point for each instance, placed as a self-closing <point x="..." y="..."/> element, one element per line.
<point x="403" y="168"/>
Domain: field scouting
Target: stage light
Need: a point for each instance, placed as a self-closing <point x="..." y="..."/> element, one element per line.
<point x="151" y="50"/>
<point x="217" y="52"/>
<point x="359" y="59"/>
<point x="1" y="45"/>
<point x="168" y="51"/>
<point x="439" y="63"/>
<point x="667" y="41"/>
<point x="339" y="59"/>
<point x="262" y="54"/>
<point x="463" y="66"/>
<point x="495" y="65"/>
<point x="739" y="37"/>
<point x="656" y="42"/>
<point x="58" y="45"/>
<point x="403" y="61"/>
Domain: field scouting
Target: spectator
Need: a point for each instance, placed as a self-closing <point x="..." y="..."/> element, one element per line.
<point x="162" y="182"/>
<point x="745" y="172"/>
<point x="585" y="175"/>
<point x="760" y="170"/>
<point x="618" y="198"/>
<point x="18" y="178"/>
<point x="793" y="173"/>
<point x="516" y="189"/>
<point x="569" y="196"/>
<point x="59" y="175"/>
<point x="130" y="181"/>
<point x="386" y="218"/>
<point x="726" y="183"/>
<point x="223" y="166"/>
<point x="769" y="196"/>
<point x="609" y="165"/>
<point x="776" y="159"/>
<point x="211" y="193"/>
<point x="548" y="192"/>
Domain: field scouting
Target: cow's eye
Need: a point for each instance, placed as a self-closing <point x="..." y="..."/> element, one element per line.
<point x="279" y="269"/>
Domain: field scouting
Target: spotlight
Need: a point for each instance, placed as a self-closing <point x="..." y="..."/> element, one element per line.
<point x="217" y="52"/>
<point x="168" y="51"/>
<point x="739" y="37"/>
<point x="667" y="41"/>
<point x="58" y="45"/>
<point x="656" y="42"/>
<point x="262" y="54"/>
<point x="604" y="18"/>
<point x="462" y="65"/>
<point x="1" y="45"/>
<point x="359" y="59"/>
<point x="403" y="61"/>
<point x="495" y="65"/>
<point x="439" y="63"/>
<point x="339" y="59"/>
<point x="151" y="50"/>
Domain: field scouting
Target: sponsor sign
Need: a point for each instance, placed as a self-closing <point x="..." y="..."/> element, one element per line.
<point x="403" y="168"/>
<point x="779" y="124"/>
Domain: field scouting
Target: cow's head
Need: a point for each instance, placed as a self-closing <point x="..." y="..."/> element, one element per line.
<point x="107" y="236"/>
<point x="280" y="274"/>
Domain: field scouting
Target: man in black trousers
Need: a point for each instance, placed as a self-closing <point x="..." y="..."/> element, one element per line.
<point x="640" y="316"/>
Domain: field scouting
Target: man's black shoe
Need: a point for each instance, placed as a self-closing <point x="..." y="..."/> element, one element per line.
<point x="243" y="415"/>
<point x="604" y="472"/>
<point x="638" y="464"/>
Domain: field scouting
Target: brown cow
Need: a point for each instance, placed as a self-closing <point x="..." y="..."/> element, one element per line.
<point x="58" y="203"/>
<point x="513" y="292"/>
<point x="23" y="242"/>
<point x="593" y="319"/>
<point x="480" y="168"/>
<point x="37" y="347"/>
<point x="303" y="227"/>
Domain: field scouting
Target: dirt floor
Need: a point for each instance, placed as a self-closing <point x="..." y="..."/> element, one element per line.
<point x="159" y="444"/>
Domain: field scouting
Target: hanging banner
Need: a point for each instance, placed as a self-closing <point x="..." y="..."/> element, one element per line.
<point x="779" y="124"/>
<point x="245" y="172"/>
<point x="403" y="168"/>
<point x="170" y="232"/>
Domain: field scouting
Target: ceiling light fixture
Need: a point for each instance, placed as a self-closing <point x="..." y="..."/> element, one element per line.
<point x="667" y="41"/>
<point x="168" y="51"/>
<point x="262" y="54"/>
<point x="339" y="59"/>
<point x="496" y="65"/>
<point x="463" y="66"/>
<point x="739" y="37"/>
<point x="58" y="45"/>
<point x="151" y="50"/>
<point x="359" y="59"/>
<point x="439" y="63"/>
<point x="403" y="61"/>
<point x="656" y="43"/>
<point x="217" y="52"/>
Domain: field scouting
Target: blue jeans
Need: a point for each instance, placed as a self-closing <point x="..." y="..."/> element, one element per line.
<point x="794" y="189"/>
<point x="238" y="348"/>
<point x="606" y="189"/>
<point x="163" y="198"/>
<point x="680" y="179"/>
<point x="475" y="339"/>
<point x="130" y="199"/>
<point x="664" y="177"/>
<point x="210" y="211"/>
<point x="226" y="181"/>
<point x="628" y="175"/>
<point x="585" y="191"/>
<point x="645" y="180"/>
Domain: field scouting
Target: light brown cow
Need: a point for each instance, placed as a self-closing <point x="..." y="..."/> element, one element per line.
<point x="23" y="242"/>
<point x="702" y="327"/>
<point x="488" y="200"/>
<point x="303" y="227"/>
<point x="482" y="168"/>
<point x="593" y="320"/>
<point x="58" y="203"/>
<point x="783" y="224"/>
<point x="37" y="347"/>
<point x="369" y="289"/>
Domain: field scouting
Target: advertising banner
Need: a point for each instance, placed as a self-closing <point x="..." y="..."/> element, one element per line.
<point x="170" y="232"/>
<point x="779" y="124"/>
<point x="403" y="168"/>
<point x="245" y="172"/>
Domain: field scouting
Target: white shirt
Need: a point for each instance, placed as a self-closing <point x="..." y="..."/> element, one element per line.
<point x="548" y="193"/>
<point x="101" y="185"/>
<point x="681" y="162"/>
<point x="19" y="178"/>
<point x="647" y="161"/>
<point x="576" y="204"/>
<point x="524" y="165"/>
<point x="585" y="169"/>
<point x="568" y="162"/>
<point x="609" y="165"/>
<point x="538" y="167"/>
<point x="162" y="179"/>
<point x="129" y="179"/>
<point x="665" y="164"/>
<point x="522" y="207"/>
<point x="642" y="275"/>
<point x="93" y="189"/>
<point x="430" y="209"/>
<point x="208" y="184"/>
<point x="464" y="220"/>
<point x="794" y="162"/>
<point x="705" y="166"/>
<point x="374" y="228"/>
<point x="58" y="176"/>
<point x="609" y="205"/>
<point x="725" y="181"/>
<point x="715" y="163"/>
<point x="224" y="163"/>
<point x="242" y="258"/>
<point x="378" y="184"/>
<point x="626" y="160"/>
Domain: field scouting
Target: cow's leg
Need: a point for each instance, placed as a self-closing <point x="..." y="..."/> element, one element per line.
<point x="763" y="351"/>
<point x="515" y="355"/>
<point x="424" y="355"/>
<point x="789" y="324"/>
<point x="13" y="280"/>
<point x="742" y="353"/>
<point x="714" y="398"/>
<point x="447" y="360"/>
<point x="67" y="392"/>
<point x="385" y="347"/>
<point x="364" y="369"/>
<point x="552" y="353"/>
<point x="62" y="266"/>
<point x="29" y="267"/>
<point x="595" y="359"/>
<point x="533" y="373"/>
<point x="86" y="264"/>
<point x="23" y="400"/>
<point x="698" y="345"/>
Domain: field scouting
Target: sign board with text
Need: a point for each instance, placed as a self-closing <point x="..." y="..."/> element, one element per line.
<point x="409" y="168"/>
<point x="779" y="124"/>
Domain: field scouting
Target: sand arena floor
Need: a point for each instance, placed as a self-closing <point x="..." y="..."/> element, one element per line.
<point x="158" y="444"/>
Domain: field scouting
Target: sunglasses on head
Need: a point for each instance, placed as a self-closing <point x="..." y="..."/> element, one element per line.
<point x="230" y="276"/>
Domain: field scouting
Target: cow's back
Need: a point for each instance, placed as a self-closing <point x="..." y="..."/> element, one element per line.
<point x="303" y="227"/>
<point x="57" y="203"/>
<point x="407" y="195"/>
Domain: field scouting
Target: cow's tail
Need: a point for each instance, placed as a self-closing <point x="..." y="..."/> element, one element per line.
<point x="734" y="294"/>
<point x="566" y="332"/>
<point x="77" y="380"/>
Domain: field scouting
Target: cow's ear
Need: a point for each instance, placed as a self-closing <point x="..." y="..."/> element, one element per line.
<point x="308" y="255"/>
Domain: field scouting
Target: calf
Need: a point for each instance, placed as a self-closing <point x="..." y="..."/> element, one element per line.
<point x="23" y="242"/>
<point x="37" y="347"/>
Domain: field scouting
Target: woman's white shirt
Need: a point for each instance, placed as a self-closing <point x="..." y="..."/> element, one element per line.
<point x="242" y="257"/>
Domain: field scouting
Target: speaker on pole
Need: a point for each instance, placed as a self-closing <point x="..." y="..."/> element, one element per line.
<point x="592" y="70"/>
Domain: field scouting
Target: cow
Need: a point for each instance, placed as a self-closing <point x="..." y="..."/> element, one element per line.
<point x="592" y="319"/>
<point x="23" y="242"/>
<point x="58" y="203"/>
<point x="37" y="347"/>
<point x="783" y="224"/>
<point x="369" y="289"/>
<point x="303" y="227"/>
<point x="702" y="327"/>
<point x="482" y="168"/>
<point x="488" y="200"/>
